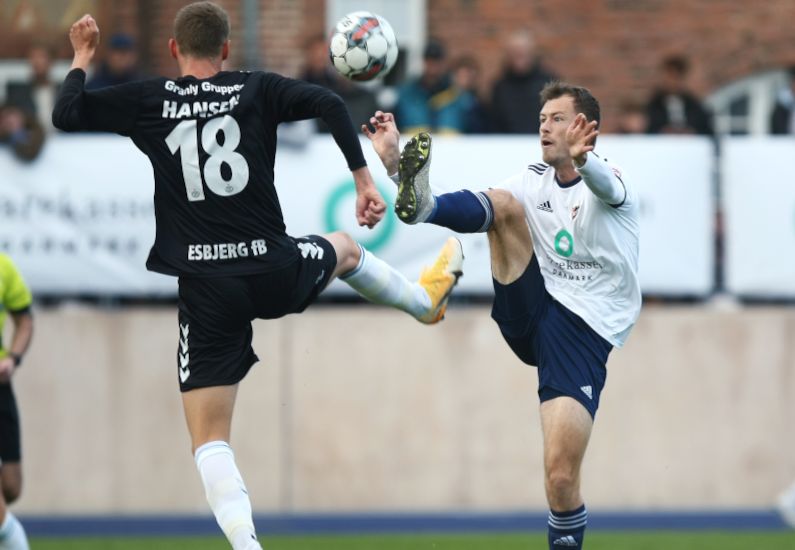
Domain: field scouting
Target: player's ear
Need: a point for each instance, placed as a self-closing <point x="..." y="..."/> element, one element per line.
<point x="172" y="46"/>
<point x="225" y="50"/>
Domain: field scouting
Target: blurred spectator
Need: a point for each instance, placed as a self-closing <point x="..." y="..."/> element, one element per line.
<point x="632" y="118"/>
<point x="360" y="101"/>
<point x="783" y="119"/>
<point x="21" y="131"/>
<point x="674" y="110"/>
<point x="319" y="69"/>
<point x="466" y="78"/>
<point x="119" y="66"/>
<point x="37" y="96"/>
<point x="516" y="101"/>
<point x="432" y="103"/>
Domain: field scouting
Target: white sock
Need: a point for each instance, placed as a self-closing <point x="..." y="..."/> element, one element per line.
<point x="436" y="191"/>
<point x="12" y="534"/>
<point x="381" y="284"/>
<point x="227" y="494"/>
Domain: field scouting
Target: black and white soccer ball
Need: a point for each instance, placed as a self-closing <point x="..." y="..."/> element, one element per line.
<point x="363" y="46"/>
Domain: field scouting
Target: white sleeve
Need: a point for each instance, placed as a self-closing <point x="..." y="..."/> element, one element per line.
<point x="602" y="180"/>
<point x="514" y="185"/>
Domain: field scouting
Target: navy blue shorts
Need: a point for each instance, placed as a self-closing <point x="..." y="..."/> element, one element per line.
<point x="569" y="354"/>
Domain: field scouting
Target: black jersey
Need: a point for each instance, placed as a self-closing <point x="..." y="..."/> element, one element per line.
<point x="212" y="145"/>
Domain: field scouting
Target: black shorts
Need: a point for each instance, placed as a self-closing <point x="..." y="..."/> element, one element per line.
<point x="10" y="450"/>
<point x="571" y="357"/>
<point x="215" y="314"/>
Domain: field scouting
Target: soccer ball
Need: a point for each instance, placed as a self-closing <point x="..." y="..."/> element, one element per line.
<point x="363" y="46"/>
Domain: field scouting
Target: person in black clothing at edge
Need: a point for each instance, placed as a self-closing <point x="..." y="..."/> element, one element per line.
<point x="211" y="138"/>
<point x="782" y="120"/>
<point x="514" y="99"/>
<point x="360" y="102"/>
<point x="119" y="66"/>
<point x="673" y="109"/>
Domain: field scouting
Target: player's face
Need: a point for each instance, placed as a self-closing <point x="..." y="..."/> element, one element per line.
<point x="556" y="117"/>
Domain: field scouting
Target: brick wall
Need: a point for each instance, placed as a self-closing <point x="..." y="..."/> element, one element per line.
<point x="611" y="46"/>
<point x="614" y="46"/>
<point x="158" y="24"/>
<point x="286" y="25"/>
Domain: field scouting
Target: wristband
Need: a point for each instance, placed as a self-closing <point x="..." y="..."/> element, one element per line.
<point x="17" y="358"/>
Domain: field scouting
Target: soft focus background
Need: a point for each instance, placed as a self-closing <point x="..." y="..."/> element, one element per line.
<point x="355" y="409"/>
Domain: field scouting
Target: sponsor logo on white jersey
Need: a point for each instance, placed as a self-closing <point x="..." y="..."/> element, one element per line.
<point x="184" y="356"/>
<point x="545" y="206"/>
<point x="568" y="540"/>
<point x="587" y="391"/>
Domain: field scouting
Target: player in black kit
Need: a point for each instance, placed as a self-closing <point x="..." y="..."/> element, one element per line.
<point x="211" y="138"/>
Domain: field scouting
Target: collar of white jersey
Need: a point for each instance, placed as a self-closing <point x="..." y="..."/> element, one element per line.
<point x="572" y="183"/>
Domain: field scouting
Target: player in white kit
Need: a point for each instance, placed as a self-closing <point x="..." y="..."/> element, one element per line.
<point x="563" y="237"/>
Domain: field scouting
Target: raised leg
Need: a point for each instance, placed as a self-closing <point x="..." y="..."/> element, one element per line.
<point x="509" y="238"/>
<point x="377" y="281"/>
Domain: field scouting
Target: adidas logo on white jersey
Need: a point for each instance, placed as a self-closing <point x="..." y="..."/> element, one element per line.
<point x="545" y="206"/>
<point x="587" y="391"/>
<point x="566" y="541"/>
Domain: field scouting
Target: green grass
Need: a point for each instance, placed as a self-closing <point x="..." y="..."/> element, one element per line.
<point x="594" y="541"/>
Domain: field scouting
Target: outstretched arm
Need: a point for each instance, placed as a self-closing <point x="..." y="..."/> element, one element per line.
<point x="111" y="109"/>
<point x="23" y="331"/>
<point x="85" y="39"/>
<point x="598" y="175"/>
<point x="385" y="140"/>
<point x="292" y="100"/>
<point x="370" y="205"/>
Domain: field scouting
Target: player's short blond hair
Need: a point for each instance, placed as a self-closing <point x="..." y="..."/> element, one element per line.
<point x="201" y="29"/>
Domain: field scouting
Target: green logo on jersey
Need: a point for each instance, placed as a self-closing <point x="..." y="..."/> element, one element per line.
<point x="564" y="243"/>
<point x="382" y="232"/>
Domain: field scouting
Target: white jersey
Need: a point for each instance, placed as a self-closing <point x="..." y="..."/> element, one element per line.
<point x="586" y="246"/>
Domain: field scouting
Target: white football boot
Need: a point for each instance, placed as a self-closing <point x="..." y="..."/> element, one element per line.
<point x="414" y="202"/>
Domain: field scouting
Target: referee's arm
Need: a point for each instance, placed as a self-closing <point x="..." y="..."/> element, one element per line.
<point x="23" y="332"/>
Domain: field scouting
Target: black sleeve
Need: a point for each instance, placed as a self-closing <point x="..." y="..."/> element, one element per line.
<point x="112" y="109"/>
<point x="293" y="100"/>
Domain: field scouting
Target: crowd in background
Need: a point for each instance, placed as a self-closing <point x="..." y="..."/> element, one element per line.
<point x="445" y="98"/>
